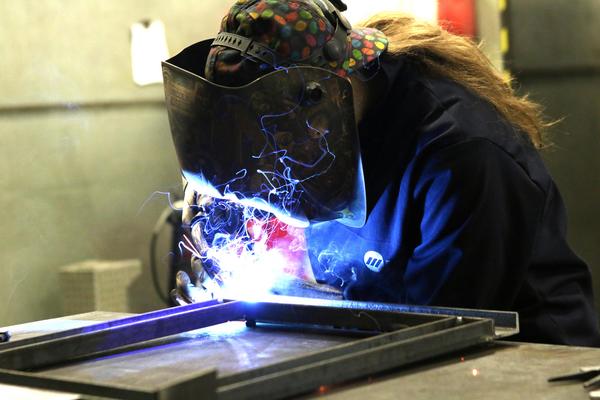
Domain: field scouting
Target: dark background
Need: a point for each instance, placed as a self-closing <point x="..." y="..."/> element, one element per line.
<point x="555" y="56"/>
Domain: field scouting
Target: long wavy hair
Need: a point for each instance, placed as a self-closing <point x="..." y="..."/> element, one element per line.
<point x="460" y="59"/>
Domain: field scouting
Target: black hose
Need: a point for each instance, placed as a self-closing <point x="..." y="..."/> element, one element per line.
<point x="160" y="223"/>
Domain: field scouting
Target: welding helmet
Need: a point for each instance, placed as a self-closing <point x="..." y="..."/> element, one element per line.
<point x="263" y="114"/>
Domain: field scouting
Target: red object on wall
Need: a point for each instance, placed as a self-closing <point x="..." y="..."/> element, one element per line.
<point x="457" y="16"/>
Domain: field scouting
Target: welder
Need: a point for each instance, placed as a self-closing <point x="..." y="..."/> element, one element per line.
<point x="407" y="164"/>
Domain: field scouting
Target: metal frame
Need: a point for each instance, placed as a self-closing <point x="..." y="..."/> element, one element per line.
<point x="402" y="338"/>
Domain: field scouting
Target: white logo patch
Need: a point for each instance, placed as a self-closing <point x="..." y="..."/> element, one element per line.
<point x="374" y="261"/>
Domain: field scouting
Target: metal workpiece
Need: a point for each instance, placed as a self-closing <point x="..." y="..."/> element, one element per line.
<point x="339" y="350"/>
<point x="327" y="315"/>
<point x="186" y="387"/>
<point x="98" y="339"/>
<point x="101" y="325"/>
<point x="506" y="323"/>
<point x="355" y="364"/>
<point x="295" y="348"/>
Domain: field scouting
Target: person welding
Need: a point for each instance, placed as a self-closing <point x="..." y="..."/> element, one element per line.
<point x="390" y="161"/>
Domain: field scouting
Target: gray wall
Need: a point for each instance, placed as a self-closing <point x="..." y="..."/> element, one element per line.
<point x="488" y="30"/>
<point x="73" y="179"/>
<point x="556" y="57"/>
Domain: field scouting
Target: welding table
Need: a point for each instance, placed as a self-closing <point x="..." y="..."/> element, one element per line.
<point x="500" y="370"/>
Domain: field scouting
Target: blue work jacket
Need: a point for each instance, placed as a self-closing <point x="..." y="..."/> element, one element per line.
<point x="461" y="213"/>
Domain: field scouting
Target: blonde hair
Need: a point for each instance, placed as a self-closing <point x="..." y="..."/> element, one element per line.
<point x="460" y="59"/>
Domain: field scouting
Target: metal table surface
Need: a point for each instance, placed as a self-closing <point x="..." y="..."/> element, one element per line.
<point x="501" y="370"/>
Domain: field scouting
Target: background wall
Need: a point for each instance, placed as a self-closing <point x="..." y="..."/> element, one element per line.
<point x="555" y="54"/>
<point x="82" y="147"/>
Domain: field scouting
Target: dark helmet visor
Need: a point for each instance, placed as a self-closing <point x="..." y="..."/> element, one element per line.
<point x="285" y="143"/>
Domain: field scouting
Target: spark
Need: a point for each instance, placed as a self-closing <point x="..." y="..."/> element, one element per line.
<point x="175" y="205"/>
<point x="187" y="244"/>
<point x="323" y="389"/>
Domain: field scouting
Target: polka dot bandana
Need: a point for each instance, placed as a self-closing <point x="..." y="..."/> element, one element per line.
<point x="293" y="30"/>
<point x="364" y="46"/>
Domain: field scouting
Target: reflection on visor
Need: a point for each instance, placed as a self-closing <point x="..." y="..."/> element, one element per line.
<point x="201" y="186"/>
<point x="285" y="144"/>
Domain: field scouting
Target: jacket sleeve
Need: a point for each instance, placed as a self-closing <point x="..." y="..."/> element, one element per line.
<point x="478" y="214"/>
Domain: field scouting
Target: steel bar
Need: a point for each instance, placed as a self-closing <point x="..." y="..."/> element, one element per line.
<point x="191" y="386"/>
<point x="303" y="379"/>
<point x="69" y="348"/>
<point x="108" y="324"/>
<point x="346" y="348"/>
<point x="506" y="323"/>
<point x="371" y="320"/>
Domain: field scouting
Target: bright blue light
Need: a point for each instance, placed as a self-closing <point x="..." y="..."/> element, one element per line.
<point x="48" y="326"/>
<point x="232" y="328"/>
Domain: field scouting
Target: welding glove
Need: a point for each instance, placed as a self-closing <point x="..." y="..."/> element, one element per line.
<point x="200" y="286"/>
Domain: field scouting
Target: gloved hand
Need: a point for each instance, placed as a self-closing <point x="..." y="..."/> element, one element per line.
<point x="200" y="287"/>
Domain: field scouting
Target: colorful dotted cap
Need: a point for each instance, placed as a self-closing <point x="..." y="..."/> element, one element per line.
<point x="258" y="36"/>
